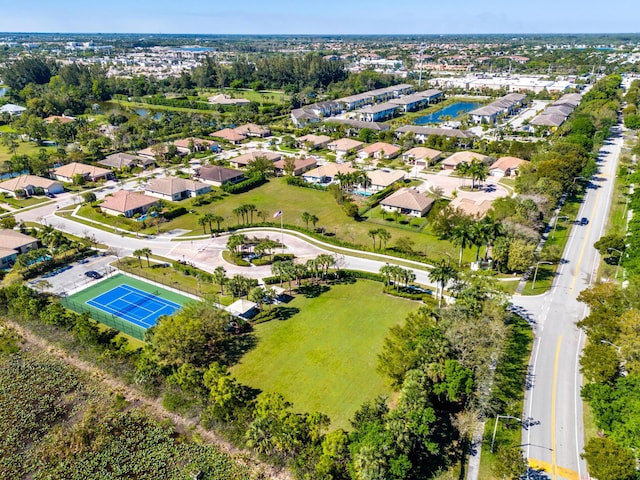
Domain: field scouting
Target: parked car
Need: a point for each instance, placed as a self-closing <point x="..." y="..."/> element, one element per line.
<point x="93" y="274"/>
<point x="49" y="195"/>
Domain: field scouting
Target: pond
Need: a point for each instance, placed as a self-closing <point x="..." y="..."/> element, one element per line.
<point x="143" y="112"/>
<point x="447" y="113"/>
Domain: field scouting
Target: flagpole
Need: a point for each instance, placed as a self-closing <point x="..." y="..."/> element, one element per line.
<point x="282" y="232"/>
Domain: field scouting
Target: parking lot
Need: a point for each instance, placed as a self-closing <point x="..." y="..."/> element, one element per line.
<point x="72" y="277"/>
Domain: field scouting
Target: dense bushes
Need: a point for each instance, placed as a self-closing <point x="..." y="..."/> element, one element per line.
<point x="245" y="185"/>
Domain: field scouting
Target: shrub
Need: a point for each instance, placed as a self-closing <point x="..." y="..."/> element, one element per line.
<point x="176" y="212"/>
<point x="245" y="185"/>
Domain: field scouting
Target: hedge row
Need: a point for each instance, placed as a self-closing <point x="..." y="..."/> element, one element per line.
<point x="299" y="182"/>
<point x="245" y="185"/>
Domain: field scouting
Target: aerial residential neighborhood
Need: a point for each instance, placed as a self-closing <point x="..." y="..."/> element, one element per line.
<point x="344" y="250"/>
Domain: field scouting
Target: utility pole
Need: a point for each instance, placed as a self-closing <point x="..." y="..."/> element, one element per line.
<point x="421" y="62"/>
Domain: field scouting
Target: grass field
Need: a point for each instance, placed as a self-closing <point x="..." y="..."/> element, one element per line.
<point x="324" y="357"/>
<point x="77" y="301"/>
<point x="24" y="148"/>
<point x="293" y="201"/>
<point x="262" y="96"/>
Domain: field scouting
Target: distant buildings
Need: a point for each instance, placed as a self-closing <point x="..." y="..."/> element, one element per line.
<point x="507" y="105"/>
<point x="557" y="113"/>
<point x="398" y="98"/>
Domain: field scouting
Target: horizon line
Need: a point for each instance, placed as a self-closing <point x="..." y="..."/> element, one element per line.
<point x="520" y="34"/>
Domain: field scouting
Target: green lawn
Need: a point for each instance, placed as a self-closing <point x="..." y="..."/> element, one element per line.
<point x="24" y="148"/>
<point x="24" y="202"/>
<point x="77" y="301"/>
<point x="262" y="96"/>
<point x="324" y="357"/>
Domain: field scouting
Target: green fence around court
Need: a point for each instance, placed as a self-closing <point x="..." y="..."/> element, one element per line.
<point x="77" y="302"/>
<point x="107" y="319"/>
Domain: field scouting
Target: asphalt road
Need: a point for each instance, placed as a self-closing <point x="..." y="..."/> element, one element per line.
<point x="553" y="432"/>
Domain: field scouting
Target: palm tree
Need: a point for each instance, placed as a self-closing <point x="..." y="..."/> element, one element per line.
<point x="202" y="221"/>
<point x="495" y="229"/>
<point x="384" y="237"/>
<point x="235" y="241"/>
<point x="387" y="272"/>
<point x="463" y="170"/>
<point x="139" y="253"/>
<point x="146" y="252"/>
<point x="373" y="234"/>
<point x="314" y="220"/>
<point x="442" y="275"/>
<point x="479" y="233"/>
<point x="209" y="218"/>
<point x="250" y="209"/>
<point x="306" y="217"/>
<point x="220" y="277"/>
<point x="364" y="180"/>
<point x="479" y="171"/>
<point x="461" y="235"/>
<point x="238" y="211"/>
<point x="325" y="262"/>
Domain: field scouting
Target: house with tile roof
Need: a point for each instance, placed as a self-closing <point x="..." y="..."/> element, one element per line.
<point x="218" y="176"/>
<point x="127" y="203"/>
<point x="421" y="156"/>
<point x="66" y="173"/>
<point x="300" y="166"/>
<point x="244" y="160"/>
<point x="30" y="185"/>
<point x="472" y="207"/>
<point x="450" y="163"/>
<point x="345" y="145"/>
<point x="253" y="130"/>
<point x="407" y="201"/>
<point x="313" y="142"/>
<point x="126" y="160"/>
<point x="229" y="134"/>
<point x="381" y="179"/>
<point x="380" y="151"/>
<point x="16" y="241"/>
<point x="506" y="166"/>
<point x="326" y="173"/>
<point x="175" y="189"/>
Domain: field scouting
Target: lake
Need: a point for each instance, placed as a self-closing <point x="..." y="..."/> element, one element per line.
<point x="447" y="113"/>
<point x="143" y="112"/>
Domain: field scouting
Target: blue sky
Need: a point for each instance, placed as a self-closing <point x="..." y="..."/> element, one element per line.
<point x="320" y="16"/>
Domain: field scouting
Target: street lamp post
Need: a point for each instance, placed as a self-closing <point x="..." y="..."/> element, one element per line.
<point x="533" y="286"/>
<point x="611" y="249"/>
<point x="555" y="225"/>
<point x="576" y="178"/>
<point x="623" y="369"/>
<point x="495" y="427"/>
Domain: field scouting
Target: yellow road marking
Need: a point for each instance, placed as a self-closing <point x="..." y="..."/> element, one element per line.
<point x="584" y="245"/>
<point x="561" y="471"/>
<point x="554" y="392"/>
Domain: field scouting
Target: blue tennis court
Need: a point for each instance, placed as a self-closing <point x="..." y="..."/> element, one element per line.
<point x="134" y="305"/>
